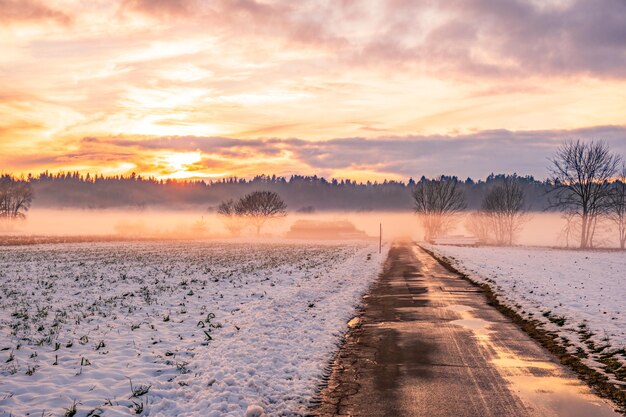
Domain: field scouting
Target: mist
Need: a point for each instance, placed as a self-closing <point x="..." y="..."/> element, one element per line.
<point x="540" y="228"/>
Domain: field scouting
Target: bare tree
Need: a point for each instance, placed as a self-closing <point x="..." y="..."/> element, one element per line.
<point x="437" y="202"/>
<point x="260" y="206"/>
<point x="229" y="211"/>
<point x="505" y="210"/>
<point x="16" y="197"/>
<point x="477" y="224"/>
<point x="617" y="210"/>
<point x="580" y="174"/>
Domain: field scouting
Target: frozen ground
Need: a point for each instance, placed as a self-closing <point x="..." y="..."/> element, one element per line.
<point x="199" y="329"/>
<point x="581" y="295"/>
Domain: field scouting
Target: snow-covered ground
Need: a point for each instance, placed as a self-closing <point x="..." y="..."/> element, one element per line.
<point x="575" y="293"/>
<point x="198" y="329"/>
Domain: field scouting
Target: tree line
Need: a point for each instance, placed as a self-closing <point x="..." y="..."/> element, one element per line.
<point x="300" y="193"/>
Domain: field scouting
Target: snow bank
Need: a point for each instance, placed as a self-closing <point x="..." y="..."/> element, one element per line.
<point x="198" y="329"/>
<point x="575" y="293"/>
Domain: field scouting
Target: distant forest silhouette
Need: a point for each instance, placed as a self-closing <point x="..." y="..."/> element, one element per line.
<point x="301" y="193"/>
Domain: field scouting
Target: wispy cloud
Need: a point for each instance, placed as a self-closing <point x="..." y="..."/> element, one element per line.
<point x="465" y="36"/>
<point x="29" y="11"/>
<point x="159" y="8"/>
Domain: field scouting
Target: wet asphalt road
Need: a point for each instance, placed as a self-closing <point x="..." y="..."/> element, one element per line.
<point x="429" y="345"/>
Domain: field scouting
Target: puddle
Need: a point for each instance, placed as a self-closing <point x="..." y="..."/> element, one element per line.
<point x="511" y="361"/>
<point x="461" y="289"/>
<point x="459" y="308"/>
<point x="478" y="326"/>
<point x="554" y="396"/>
<point x="545" y="391"/>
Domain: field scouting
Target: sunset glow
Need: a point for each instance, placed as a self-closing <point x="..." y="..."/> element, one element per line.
<point x="210" y="88"/>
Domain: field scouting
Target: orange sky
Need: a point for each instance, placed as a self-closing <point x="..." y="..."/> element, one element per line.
<point x="211" y="88"/>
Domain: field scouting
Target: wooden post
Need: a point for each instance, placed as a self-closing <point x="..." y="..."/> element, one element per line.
<point x="380" y="239"/>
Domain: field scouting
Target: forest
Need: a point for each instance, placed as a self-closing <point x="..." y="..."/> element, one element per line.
<point x="300" y="193"/>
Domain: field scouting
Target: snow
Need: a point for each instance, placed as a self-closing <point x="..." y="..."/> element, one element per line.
<point x="197" y="328"/>
<point x="584" y="287"/>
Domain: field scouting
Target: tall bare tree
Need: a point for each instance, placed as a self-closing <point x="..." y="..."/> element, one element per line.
<point x="16" y="197"/>
<point x="581" y="174"/>
<point x="617" y="210"/>
<point x="260" y="206"/>
<point x="505" y="209"/>
<point x="437" y="202"/>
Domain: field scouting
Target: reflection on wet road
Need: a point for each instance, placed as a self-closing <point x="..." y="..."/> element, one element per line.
<point x="533" y="380"/>
<point x="427" y="344"/>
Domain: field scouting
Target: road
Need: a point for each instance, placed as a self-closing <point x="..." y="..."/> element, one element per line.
<point x="427" y="344"/>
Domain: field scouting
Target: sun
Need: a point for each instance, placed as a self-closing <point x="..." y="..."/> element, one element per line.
<point x="178" y="164"/>
<point x="178" y="161"/>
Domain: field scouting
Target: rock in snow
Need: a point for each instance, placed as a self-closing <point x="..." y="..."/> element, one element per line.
<point x="255" y="411"/>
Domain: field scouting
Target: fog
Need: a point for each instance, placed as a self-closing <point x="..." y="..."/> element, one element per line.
<point x="189" y="223"/>
<point x="540" y="229"/>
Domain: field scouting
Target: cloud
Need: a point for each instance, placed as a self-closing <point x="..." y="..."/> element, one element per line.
<point x="288" y="22"/>
<point x="476" y="155"/>
<point x="14" y="11"/>
<point x="504" y="38"/>
<point x="131" y="72"/>
<point x="463" y="37"/>
<point x="218" y="145"/>
<point x="159" y="8"/>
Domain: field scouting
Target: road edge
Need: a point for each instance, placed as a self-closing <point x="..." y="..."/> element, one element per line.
<point x="594" y="379"/>
<point x="351" y="334"/>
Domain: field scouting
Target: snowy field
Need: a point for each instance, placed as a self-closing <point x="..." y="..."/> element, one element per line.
<point x="173" y="329"/>
<point x="581" y="295"/>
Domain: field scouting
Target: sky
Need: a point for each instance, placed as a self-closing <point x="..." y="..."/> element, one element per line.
<point x="367" y="89"/>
